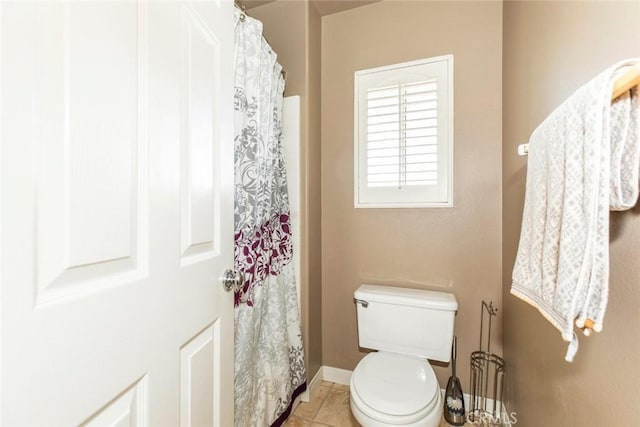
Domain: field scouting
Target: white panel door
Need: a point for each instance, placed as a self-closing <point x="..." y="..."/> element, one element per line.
<point x="117" y="213"/>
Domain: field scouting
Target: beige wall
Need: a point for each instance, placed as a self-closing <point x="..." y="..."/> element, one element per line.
<point x="293" y="30"/>
<point x="550" y="49"/>
<point x="455" y="250"/>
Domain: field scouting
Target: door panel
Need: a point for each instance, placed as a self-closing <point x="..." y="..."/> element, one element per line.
<point x="117" y="204"/>
<point x="89" y="148"/>
<point x="129" y="409"/>
<point x="200" y="139"/>
<point x="198" y="370"/>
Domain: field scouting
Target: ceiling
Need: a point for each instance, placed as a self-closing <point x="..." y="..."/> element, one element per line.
<point x="324" y="7"/>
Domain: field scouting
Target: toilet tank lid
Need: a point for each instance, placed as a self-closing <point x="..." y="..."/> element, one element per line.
<point x="409" y="297"/>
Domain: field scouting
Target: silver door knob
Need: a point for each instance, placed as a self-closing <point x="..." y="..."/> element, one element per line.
<point x="231" y="279"/>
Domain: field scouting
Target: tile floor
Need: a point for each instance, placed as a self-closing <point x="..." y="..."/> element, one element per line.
<point x="329" y="406"/>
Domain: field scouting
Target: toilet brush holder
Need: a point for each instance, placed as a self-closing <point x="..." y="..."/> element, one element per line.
<point x="453" y="396"/>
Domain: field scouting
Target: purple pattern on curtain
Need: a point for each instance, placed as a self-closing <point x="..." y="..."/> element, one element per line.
<point x="261" y="253"/>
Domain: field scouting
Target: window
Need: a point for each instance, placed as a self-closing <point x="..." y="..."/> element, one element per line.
<point x="404" y="135"/>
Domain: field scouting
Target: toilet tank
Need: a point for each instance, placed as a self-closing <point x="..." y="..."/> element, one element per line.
<point x="407" y="321"/>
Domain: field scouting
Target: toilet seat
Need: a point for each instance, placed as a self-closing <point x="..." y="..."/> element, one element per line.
<point x="395" y="389"/>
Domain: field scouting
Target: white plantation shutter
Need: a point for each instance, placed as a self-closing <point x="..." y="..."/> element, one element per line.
<point x="403" y="134"/>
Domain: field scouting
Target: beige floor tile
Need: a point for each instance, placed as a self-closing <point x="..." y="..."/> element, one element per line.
<point x="341" y="387"/>
<point x="443" y="423"/>
<point x="309" y="410"/>
<point x="294" y="421"/>
<point x="335" y="410"/>
<point x="320" y="393"/>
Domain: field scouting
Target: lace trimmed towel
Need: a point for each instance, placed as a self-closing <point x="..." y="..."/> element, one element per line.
<point x="583" y="162"/>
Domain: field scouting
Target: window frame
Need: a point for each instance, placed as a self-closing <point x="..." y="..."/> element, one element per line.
<point x="417" y="200"/>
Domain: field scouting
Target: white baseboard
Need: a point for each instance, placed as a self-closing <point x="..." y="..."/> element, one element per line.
<point x="506" y="417"/>
<point x="343" y="376"/>
<point x="312" y="385"/>
<point x="336" y="375"/>
<point x="504" y="414"/>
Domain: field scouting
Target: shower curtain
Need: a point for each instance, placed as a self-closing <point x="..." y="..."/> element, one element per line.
<point x="269" y="359"/>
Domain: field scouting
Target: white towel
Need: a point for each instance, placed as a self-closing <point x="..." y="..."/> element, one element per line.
<point x="583" y="161"/>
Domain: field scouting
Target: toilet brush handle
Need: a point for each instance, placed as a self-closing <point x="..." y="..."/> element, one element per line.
<point x="454" y="354"/>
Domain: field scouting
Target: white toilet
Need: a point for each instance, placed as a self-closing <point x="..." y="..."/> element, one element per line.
<point x="396" y="386"/>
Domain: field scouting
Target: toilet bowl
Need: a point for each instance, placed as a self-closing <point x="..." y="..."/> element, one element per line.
<point x="396" y="385"/>
<point x="389" y="389"/>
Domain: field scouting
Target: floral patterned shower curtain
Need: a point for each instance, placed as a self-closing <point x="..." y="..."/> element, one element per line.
<point x="269" y="360"/>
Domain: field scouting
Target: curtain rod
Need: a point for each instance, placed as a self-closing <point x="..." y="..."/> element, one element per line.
<point x="623" y="84"/>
